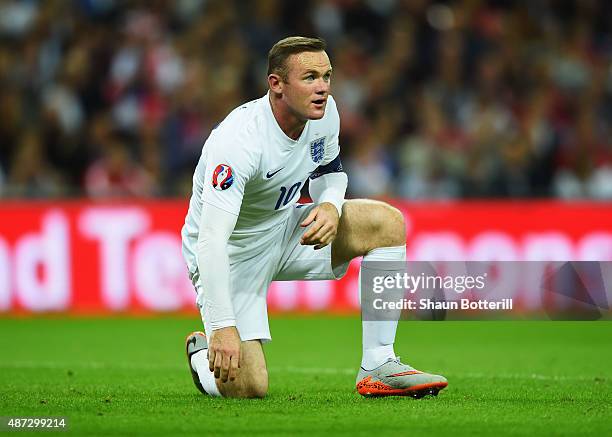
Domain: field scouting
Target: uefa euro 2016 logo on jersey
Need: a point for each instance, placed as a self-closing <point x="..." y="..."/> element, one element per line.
<point x="317" y="149"/>
<point x="222" y="177"/>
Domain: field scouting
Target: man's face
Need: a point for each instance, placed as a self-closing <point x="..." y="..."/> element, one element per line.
<point x="308" y="83"/>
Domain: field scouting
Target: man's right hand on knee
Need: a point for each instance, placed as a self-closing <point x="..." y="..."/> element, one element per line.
<point x="224" y="353"/>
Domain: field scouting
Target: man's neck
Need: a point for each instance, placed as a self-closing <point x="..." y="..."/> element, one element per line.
<point x="291" y="125"/>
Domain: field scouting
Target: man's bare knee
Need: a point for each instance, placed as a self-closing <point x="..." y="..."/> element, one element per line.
<point x="258" y="386"/>
<point x="250" y="383"/>
<point x="384" y="225"/>
<point x="394" y="228"/>
<point x="252" y="379"/>
<point x="366" y="225"/>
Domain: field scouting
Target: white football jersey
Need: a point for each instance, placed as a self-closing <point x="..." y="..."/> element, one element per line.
<point x="251" y="169"/>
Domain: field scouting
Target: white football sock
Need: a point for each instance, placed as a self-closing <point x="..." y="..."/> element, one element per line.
<point x="199" y="362"/>
<point x="379" y="336"/>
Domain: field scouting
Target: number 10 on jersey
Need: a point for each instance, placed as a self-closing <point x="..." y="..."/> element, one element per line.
<point x="286" y="195"/>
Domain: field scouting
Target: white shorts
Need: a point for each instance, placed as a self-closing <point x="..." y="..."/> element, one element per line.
<point x="258" y="259"/>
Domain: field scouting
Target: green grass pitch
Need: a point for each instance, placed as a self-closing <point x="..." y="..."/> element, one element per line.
<point x="124" y="376"/>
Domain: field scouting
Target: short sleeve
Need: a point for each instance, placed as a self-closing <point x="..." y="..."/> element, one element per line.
<point x="229" y="166"/>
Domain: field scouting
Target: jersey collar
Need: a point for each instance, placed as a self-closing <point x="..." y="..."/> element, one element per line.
<point x="281" y="133"/>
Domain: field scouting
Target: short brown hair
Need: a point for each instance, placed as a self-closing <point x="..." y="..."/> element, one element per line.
<point x="278" y="54"/>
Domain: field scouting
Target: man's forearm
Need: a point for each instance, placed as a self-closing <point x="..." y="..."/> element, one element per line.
<point x="213" y="264"/>
<point x="330" y="187"/>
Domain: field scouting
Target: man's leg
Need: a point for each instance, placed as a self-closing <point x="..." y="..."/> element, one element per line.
<point x="252" y="380"/>
<point x="376" y="231"/>
<point x="249" y="282"/>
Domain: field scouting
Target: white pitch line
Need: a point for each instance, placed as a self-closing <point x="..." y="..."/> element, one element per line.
<point x="88" y="365"/>
<point x="280" y="369"/>
<point x="350" y="371"/>
<point x="314" y="370"/>
<point x="524" y="376"/>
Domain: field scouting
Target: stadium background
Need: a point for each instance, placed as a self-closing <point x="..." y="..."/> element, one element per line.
<point x="441" y="103"/>
<point x="488" y="123"/>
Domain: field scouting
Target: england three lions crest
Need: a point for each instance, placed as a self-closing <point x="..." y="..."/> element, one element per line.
<point x="317" y="149"/>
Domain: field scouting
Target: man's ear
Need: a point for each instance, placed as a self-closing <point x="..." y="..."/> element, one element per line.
<point x="275" y="83"/>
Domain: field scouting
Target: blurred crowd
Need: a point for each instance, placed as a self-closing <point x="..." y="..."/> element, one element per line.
<point x="438" y="99"/>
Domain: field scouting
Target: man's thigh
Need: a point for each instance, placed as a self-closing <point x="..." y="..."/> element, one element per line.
<point x="300" y="262"/>
<point x="366" y="224"/>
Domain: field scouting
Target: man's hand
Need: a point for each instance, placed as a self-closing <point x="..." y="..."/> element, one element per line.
<point x="325" y="218"/>
<point x="224" y="353"/>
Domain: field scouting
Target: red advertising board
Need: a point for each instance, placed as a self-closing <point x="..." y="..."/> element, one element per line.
<point x="86" y="257"/>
